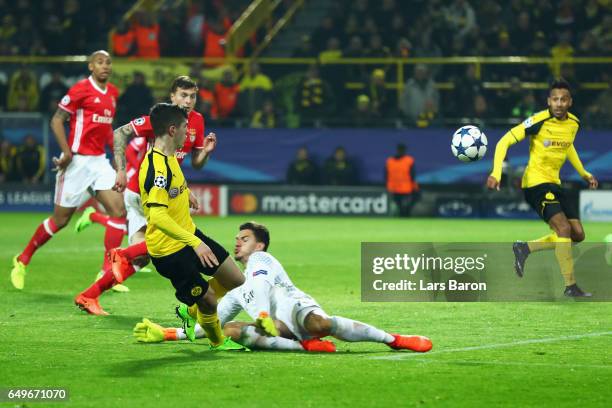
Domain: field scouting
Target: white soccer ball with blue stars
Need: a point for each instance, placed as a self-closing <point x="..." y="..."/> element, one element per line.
<point x="469" y="144"/>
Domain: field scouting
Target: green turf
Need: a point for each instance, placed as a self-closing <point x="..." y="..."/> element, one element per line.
<point x="47" y="342"/>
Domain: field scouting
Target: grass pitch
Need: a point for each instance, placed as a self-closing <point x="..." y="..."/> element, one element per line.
<point x="485" y="354"/>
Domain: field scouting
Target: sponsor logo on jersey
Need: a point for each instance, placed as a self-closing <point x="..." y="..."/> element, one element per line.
<point x="546" y="142"/>
<point x="260" y="272"/>
<point x="102" y="119"/>
<point x="556" y="143"/>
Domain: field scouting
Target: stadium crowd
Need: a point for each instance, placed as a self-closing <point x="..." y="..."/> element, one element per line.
<point x="326" y="94"/>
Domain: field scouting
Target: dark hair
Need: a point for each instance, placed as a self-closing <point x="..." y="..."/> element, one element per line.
<point x="401" y="148"/>
<point x="560" y="83"/>
<point x="164" y="115"/>
<point x="183" y="82"/>
<point x="260" y="231"/>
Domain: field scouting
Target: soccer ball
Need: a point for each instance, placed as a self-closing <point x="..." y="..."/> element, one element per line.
<point x="469" y="144"/>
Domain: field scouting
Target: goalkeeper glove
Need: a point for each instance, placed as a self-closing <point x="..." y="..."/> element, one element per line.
<point x="265" y="323"/>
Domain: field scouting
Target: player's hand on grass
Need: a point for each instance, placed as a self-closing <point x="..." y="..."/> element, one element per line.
<point x="210" y="142"/>
<point x="193" y="201"/>
<point x="120" y="181"/>
<point x="206" y="255"/>
<point x="593" y="183"/>
<point x="148" y="332"/>
<point x="63" y="161"/>
<point x="265" y="323"/>
<point x="492" y="183"/>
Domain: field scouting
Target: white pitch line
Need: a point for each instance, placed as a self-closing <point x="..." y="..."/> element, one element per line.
<point x="403" y="356"/>
<point x="515" y="363"/>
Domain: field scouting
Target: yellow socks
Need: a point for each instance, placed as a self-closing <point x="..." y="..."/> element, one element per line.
<point x="193" y="311"/>
<point x="220" y="291"/>
<point x="212" y="327"/>
<point x="543" y="243"/>
<point x="563" y="252"/>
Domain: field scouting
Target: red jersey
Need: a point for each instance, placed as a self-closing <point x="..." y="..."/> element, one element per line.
<point x="91" y="116"/>
<point x="144" y="131"/>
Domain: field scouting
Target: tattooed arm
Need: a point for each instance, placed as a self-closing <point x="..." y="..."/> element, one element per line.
<point x="120" y="139"/>
<point x="59" y="131"/>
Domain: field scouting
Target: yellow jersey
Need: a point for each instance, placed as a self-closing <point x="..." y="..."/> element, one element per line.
<point x="162" y="183"/>
<point x="551" y="143"/>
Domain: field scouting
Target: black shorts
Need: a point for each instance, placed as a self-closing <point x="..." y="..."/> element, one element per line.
<point x="184" y="269"/>
<point x="548" y="199"/>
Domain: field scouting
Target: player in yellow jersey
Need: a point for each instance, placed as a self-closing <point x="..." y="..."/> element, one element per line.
<point x="179" y="251"/>
<point x="552" y="133"/>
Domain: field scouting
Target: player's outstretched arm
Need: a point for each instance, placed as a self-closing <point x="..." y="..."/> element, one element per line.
<point x="59" y="131"/>
<point x="120" y="138"/>
<point x="572" y="156"/>
<point x="199" y="157"/>
<point x="498" y="159"/>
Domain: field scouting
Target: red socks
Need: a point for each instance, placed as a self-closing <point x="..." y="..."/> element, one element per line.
<point x="135" y="250"/>
<point x="115" y="228"/>
<point x="103" y="284"/>
<point x="99" y="218"/>
<point x="43" y="233"/>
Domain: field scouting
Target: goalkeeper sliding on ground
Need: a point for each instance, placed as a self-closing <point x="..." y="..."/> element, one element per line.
<point x="285" y="317"/>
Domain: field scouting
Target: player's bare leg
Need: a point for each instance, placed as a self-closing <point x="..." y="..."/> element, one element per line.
<point x="227" y="277"/>
<point x="350" y="330"/>
<point x="45" y="231"/>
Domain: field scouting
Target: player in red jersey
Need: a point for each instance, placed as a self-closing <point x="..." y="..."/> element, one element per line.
<point x="90" y="106"/>
<point x="183" y="93"/>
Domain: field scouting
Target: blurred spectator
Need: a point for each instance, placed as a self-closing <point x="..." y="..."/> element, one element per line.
<point x="466" y="88"/>
<point x="420" y="94"/>
<point x="563" y="49"/>
<point x="400" y="180"/>
<point x="379" y="97"/>
<point x="226" y="94"/>
<point x="460" y="17"/>
<point x="480" y="108"/>
<point x="23" y="91"/>
<point x="338" y="170"/>
<point x="53" y="33"/>
<point x="526" y="107"/>
<point x="195" y="25"/>
<point x="255" y="87"/>
<point x="355" y="50"/>
<point x="136" y="100"/>
<point x="52" y="93"/>
<point x="207" y="103"/>
<point x="302" y="170"/>
<point x="507" y="99"/>
<point x="8" y="29"/>
<point x="123" y="40"/>
<point x="565" y="17"/>
<point x="8" y="166"/>
<point x="213" y="34"/>
<point x="30" y="160"/>
<point x="265" y="117"/>
<point x="600" y="112"/>
<point x="3" y="91"/>
<point x="591" y="14"/>
<point x="603" y="31"/>
<point x="324" y="33"/>
<point x="146" y="33"/>
<point x="314" y="99"/>
<point x="364" y="115"/>
<point x="404" y="48"/>
<point x="305" y="49"/>
<point x="376" y="48"/>
<point x="172" y="28"/>
<point x="522" y="36"/>
<point x="332" y="51"/>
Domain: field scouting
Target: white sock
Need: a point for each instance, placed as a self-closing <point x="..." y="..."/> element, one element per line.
<point x="199" y="333"/>
<point x="250" y="338"/>
<point x="352" y="330"/>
